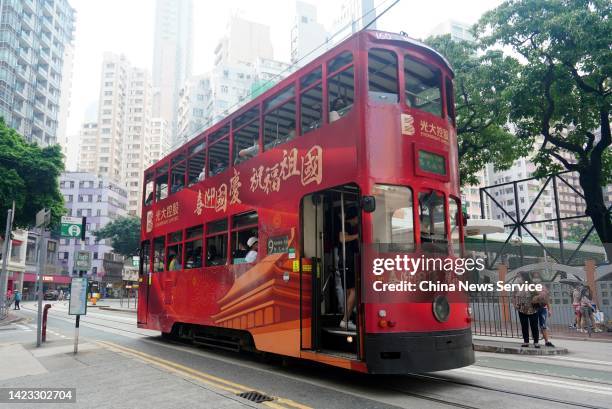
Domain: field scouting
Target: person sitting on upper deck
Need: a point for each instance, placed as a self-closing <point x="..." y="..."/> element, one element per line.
<point x="217" y="168"/>
<point x="338" y="106"/>
<point x="250" y="151"/>
<point x="177" y="186"/>
<point x="202" y="174"/>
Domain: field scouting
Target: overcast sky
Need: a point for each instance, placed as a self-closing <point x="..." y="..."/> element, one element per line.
<point x="126" y="26"/>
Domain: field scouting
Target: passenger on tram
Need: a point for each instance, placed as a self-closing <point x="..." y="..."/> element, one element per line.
<point x="252" y="245"/>
<point x="177" y="185"/>
<point x="218" y="168"/>
<point x="339" y="108"/>
<point x="250" y="151"/>
<point x="350" y="239"/>
<point x="202" y="174"/>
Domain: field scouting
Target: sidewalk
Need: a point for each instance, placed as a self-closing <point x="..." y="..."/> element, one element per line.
<point x="115" y="304"/>
<point x="97" y="370"/>
<point x="10" y="319"/>
<point x="513" y="346"/>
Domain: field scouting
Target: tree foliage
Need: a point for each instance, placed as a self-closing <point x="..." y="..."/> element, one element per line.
<point x="124" y="233"/>
<point x="560" y="99"/>
<point x="29" y="175"/>
<point x="481" y="105"/>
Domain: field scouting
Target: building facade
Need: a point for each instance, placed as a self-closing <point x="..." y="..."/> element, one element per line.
<point x="308" y="36"/>
<point x="172" y="56"/>
<point x="101" y="201"/>
<point x="33" y="39"/>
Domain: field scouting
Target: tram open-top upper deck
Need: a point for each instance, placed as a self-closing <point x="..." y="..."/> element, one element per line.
<point x="375" y="66"/>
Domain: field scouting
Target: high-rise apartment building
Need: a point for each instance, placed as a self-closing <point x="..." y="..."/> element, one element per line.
<point x="33" y="39"/>
<point x="352" y="16"/>
<point x="194" y="99"/>
<point x="88" y="147"/>
<point x="458" y="31"/>
<point x="159" y="144"/>
<point x="172" y="56"/>
<point x="243" y="43"/>
<point x="308" y="36"/>
<point x="137" y="133"/>
<point x="68" y="146"/>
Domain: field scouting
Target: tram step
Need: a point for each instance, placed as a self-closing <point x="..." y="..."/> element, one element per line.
<point x="339" y="339"/>
<point x="226" y="344"/>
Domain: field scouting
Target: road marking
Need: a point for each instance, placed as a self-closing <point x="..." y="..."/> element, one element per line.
<point x="212" y="380"/>
<point x="536" y="380"/>
<point x="23" y="327"/>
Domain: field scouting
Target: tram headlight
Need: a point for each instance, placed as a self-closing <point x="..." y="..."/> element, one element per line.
<point x="441" y="308"/>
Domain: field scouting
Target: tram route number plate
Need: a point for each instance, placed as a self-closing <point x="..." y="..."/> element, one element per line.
<point x="279" y="244"/>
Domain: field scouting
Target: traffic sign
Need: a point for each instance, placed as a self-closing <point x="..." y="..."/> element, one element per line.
<point x="82" y="260"/>
<point x="71" y="226"/>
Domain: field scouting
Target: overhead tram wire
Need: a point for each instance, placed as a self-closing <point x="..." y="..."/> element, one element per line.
<point x="281" y="74"/>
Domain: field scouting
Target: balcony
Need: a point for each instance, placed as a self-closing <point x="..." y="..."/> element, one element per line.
<point x="21" y="91"/>
<point x="29" y="5"/>
<point x="41" y="107"/>
<point x="27" y="38"/>
<point x="43" y="72"/>
<point x="24" y="73"/>
<point x="25" y="56"/>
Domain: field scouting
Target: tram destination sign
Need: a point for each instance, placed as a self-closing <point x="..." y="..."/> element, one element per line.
<point x="279" y="244"/>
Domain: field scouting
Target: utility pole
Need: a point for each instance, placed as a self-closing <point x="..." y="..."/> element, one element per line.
<point x="6" y="253"/>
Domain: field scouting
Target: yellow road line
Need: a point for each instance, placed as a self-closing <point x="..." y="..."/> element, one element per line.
<point x="201" y="376"/>
<point x="177" y="368"/>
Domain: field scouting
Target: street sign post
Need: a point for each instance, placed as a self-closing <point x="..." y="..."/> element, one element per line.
<point x="78" y="304"/>
<point x="71" y="226"/>
<point x="82" y="260"/>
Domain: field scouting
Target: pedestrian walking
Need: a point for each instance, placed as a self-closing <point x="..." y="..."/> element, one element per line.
<point x="541" y="303"/>
<point x="523" y="302"/>
<point x="586" y="311"/>
<point x="60" y="297"/>
<point x="576" y="307"/>
<point x="17" y="299"/>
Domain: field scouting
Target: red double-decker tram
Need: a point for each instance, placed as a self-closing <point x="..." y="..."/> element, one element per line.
<point x="256" y="234"/>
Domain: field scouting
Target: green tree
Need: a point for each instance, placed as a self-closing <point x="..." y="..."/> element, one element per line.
<point x="481" y="84"/>
<point x="560" y="100"/>
<point x="29" y="176"/>
<point x="124" y="233"/>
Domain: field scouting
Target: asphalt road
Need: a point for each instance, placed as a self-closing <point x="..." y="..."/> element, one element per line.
<point x="581" y="379"/>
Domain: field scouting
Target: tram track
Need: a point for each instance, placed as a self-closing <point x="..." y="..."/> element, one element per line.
<point x="416" y="395"/>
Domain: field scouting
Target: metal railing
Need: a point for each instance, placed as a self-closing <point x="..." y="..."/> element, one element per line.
<point x="494" y="315"/>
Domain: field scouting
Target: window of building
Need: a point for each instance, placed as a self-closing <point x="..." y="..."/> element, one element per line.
<point x="279" y="118"/>
<point x="161" y="183"/>
<point x="197" y="163"/>
<point x="244" y="227"/>
<point x="216" y="243"/>
<point x="382" y="76"/>
<point x="193" y="247"/>
<point x="159" y="247"/>
<point x="179" y="167"/>
<point x="246" y="135"/>
<point x="340" y="86"/>
<point x="431" y="217"/>
<point x="311" y="101"/>
<point x="422" y="86"/>
<point x="174" y="260"/>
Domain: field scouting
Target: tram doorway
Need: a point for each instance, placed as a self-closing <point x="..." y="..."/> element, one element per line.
<point x="332" y="315"/>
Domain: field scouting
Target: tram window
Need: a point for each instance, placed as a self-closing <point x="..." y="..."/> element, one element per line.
<point x="382" y="76"/>
<point x="432" y="217"/>
<point x="279" y="125"/>
<point x="244" y="226"/>
<point x="224" y="130"/>
<point x="145" y="251"/>
<point x="178" y="174"/>
<point x="161" y="183"/>
<point x="159" y="246"/>
<point x="218" y="157"/>
<point x="246" y="117"/>
<point x="453" y="214"/>
<point x="340" y="61"/>
<point x="246" y="142"/>
<point x="193" y="247"/>
<point x="148" y="190"/>
<point x="175" y="251"/>
<point x="311" y="104"/>
<point x="197" y="167"/>
<point x="423" y="86"/>
<point x="311" y="78"/>
<point x="283" y="95"/>
<point x="216" y="243"/>
<point x="392" y="220"/>
<point x="340" y="93"/>
<point x="450" y="98"/>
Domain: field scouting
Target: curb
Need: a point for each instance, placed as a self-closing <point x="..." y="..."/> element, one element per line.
<point x="518" y="350"/>
<point x="9" y="321"/>
<point x="105" y="308"/>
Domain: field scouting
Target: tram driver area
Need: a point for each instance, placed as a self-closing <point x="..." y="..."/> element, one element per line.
<point x="331" y="229"/>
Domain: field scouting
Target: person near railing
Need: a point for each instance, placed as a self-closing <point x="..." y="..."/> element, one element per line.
<point x="17" y="299"/>
<point x="523" y="302"/>
<point x="541" y="303"/>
